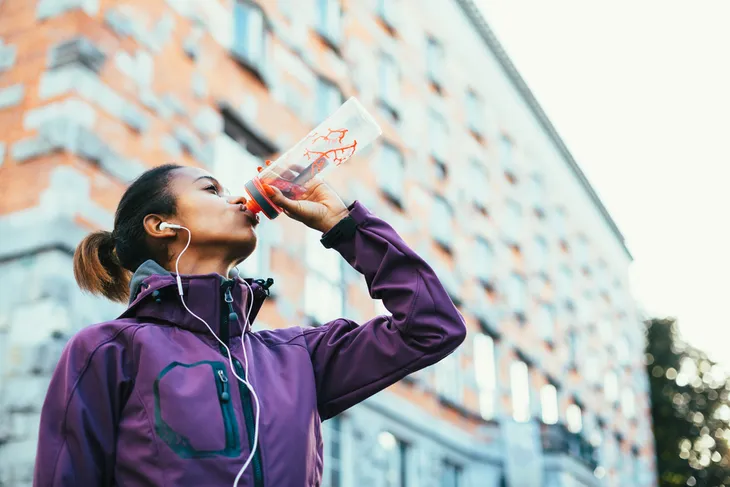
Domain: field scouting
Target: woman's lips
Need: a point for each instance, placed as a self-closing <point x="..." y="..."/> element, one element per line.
<point x="253" y="217"/>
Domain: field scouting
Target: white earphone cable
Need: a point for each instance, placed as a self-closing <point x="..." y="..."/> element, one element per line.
<point x="228" y="350"/>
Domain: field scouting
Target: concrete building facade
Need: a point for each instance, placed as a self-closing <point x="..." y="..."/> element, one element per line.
<point x="549" y="388"/>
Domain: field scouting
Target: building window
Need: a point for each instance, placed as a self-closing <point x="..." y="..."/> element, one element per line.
<point x="539" y="254"/>
<point x="506" y="153"/>
<point x="450" y="474"/>
<point x="560" y="220"/>
<point x="441" y="222"/>
<point x="395" y="472"/>
<point x="516" y="293"/>
<point x="513" y="221"/>
<point x="610" y="386"/>
<point x="388" y="12"/>
<point x="249" y="34"/>
<point x="329" y="21"/>
<point x="389" y="84"/>
<point x="434" y="62"/>
<point x="549" y="404"/>
<point x="474" y="113"/>
<point x="574" y="418"/>
<point x="437" y="134"/>
<point x="604" y="330"/>
<point x="591" y="367"/>
<point x="520" y="384"/>
<point x="449" y="378"/>
<point x="239" y="130"/>
<point x="329" y="99"/>
<point x="333" y="461"/>
<point x="323" y="290"/>
<point x="484" y="260"/>
<point x="477" y="184"/>
<point x="572" y="339"/>
<point x="581" y="252"/>
<point x="536" y="192"/>
<point x="622" y="350"/>
<point x="485" y="373"/>
<point x="564" y="283"/>
<point x="391" y="173"/>
<point x="545" y="321"/>
<point x="628" y="403"/>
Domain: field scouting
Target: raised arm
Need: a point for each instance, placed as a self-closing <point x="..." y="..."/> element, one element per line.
<point x="352" y="362"/>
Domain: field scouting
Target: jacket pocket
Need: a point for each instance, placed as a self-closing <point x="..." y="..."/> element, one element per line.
<point x="194" y="412"/>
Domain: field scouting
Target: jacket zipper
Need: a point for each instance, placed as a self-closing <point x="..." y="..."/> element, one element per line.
<point x="225" y="396"/>
<point x="246" y="402"/>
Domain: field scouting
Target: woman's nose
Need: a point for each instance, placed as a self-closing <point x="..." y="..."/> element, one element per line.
<point x="237" y="200"/>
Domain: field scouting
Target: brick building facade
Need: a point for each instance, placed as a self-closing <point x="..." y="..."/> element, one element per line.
<point x="549" y="388"/>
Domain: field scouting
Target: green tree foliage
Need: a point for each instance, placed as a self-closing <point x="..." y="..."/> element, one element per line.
<point x="690" y="412"/>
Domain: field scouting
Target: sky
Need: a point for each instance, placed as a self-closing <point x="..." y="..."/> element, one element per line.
<point x="640" y="93"/>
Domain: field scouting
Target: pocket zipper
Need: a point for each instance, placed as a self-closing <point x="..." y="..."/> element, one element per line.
<point x="224" y="395"/>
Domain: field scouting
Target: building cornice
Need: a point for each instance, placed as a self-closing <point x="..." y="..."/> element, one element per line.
<point x="486" y="33"/>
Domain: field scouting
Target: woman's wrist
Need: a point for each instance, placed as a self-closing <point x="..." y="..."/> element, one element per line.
<point x="329" y="222"/>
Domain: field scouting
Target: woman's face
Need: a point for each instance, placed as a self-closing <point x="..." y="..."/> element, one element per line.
<point x="220" y="223"/>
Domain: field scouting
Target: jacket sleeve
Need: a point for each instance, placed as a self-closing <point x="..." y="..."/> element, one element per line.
<point x="80" y="415"/>
<point x="352" y="362"/>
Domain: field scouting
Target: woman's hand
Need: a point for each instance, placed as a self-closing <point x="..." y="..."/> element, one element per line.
<point x="320" y="207"/>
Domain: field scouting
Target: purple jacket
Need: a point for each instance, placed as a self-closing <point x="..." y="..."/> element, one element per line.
<point x="148" y="399"/>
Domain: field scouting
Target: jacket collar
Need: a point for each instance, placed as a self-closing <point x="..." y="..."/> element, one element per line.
<point x="154" y="295"/>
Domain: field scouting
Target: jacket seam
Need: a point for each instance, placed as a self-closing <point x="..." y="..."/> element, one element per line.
<point x="153" y="438"/>
<point x="73" y="391"/>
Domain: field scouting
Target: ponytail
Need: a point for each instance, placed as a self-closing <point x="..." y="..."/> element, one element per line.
<point x="97" y="268"/>
<point x="104" y="261"/>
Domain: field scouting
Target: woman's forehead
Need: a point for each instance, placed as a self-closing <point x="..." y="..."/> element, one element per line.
<point x="191" y="174"/>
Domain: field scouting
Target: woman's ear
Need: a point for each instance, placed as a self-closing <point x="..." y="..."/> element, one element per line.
<point x="152" y="227"/>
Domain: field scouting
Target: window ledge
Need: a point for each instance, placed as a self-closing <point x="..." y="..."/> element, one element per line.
<point x="392" y="198"/>
<point x="329" y="41"/>
<point x="387" y="24"/>
<point x="390" y="107"/>
<point x="257" y="69"/>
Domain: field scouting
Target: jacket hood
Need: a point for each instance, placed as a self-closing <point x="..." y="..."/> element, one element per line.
<point x="221" y="302"/>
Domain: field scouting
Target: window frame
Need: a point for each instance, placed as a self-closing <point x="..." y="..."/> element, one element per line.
<point x="485" y="374"/>
<point x="386" y="167"/>
<point x="524" y="413"/>
<point x="330" y="31"/>
<point x="475" y="114"/>
<point x="389" y="83"/>
<point x="555" y="417"/>
<point x="441" y="235"/>
<point x="435" y="62"/>
<point x="327" y="88"/>
<point x="253" y="61"/>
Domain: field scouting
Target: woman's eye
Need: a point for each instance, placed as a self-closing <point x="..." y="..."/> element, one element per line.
<point x="212" y="188"/>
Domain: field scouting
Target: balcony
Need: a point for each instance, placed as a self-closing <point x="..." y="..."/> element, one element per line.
<point x="557" y="440"/>
<point x="567" y="455"/>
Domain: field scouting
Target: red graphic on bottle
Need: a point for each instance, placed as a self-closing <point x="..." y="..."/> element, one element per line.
<point x="342" y="132"/>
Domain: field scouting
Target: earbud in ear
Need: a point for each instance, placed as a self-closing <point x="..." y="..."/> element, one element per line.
<point x="165" y="225"/>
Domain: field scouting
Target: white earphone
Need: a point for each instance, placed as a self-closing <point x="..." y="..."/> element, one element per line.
<point x="247" y="325"/>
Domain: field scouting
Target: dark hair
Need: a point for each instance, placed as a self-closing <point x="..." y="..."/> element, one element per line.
<point x="104" y="261"/>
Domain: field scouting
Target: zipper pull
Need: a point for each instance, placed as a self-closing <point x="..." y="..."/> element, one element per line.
<point x="225" y="395"/>
<point x="232" y="316"/>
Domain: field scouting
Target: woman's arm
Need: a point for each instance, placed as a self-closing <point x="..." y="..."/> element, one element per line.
<point x="77" y="437"/>
<point x="352" y="362"/>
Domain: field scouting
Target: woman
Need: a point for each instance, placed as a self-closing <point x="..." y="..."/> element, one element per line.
<point x="151" y="398"/>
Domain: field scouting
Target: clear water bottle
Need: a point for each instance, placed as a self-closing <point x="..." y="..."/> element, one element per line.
<point x="348" y="130"/>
